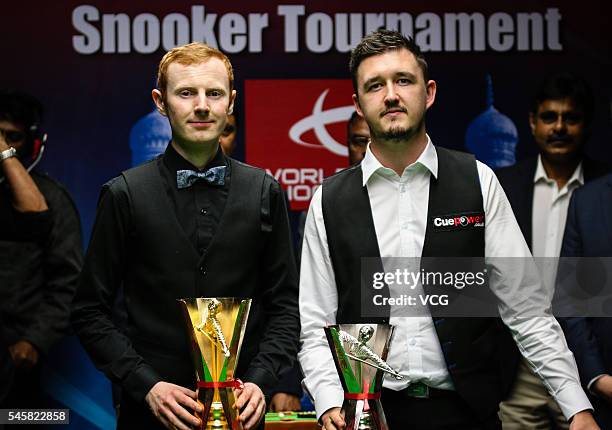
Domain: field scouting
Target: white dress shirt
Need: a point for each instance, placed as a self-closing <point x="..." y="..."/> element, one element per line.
<point x="549" y="215"/>
<point x="548" y="218"/>
<point x="550" y="210"/>
<point x="399" y="210"/>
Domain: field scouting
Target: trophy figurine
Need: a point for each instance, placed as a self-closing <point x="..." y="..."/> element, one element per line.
<point x="216" y="327"/>
<point x="359" y="351"/>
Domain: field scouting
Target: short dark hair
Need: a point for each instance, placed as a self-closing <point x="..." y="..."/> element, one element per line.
<point x="565" y="85"/>
<point x="354" y="117"/>
<point x="20" y="108"/>
<point x="382" y="41"/>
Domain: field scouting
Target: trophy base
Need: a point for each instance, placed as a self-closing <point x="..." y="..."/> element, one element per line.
<point x="360" y="415"/>
<point x="219" y="412"/>
<point x="216" y="418"/>
<point x="366" y="422"/>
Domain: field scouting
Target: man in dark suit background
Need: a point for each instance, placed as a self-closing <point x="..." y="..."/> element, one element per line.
<point x="40" y="251"/>
<point x="191" y="223"/>
<point x="588" y="233"/>
<point x="539" y="190"/>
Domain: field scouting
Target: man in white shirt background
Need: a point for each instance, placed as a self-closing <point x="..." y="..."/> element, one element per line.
<point x="539" y="190"/>
<point x="376" y="209"/>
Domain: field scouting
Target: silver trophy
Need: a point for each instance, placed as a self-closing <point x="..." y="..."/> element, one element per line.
<point x="360" y="351"/>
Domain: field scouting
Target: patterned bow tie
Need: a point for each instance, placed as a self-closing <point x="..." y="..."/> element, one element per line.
<point x="214" y="176"/>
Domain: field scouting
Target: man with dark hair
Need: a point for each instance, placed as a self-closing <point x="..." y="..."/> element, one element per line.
<point x="456" y="369"/>
<point x="40" y="250"/>
<point x="227" y="140"/>
<point x="191" y="223"/>
<point x="382" y="42"/>
<point x="357" y="136"/>
<point x="539" y="190"/>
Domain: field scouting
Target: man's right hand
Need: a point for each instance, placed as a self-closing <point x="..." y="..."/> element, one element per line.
<point x="24" y="355"/>
<point x="603" y="388"/>
<point x="583" y="421"/>
<point x="333" y="419"/>
<point x="170" y="404"/>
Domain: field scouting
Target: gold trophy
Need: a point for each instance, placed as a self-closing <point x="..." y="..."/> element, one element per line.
<point x="359" y="352"/>
<point x="216" y="327"/>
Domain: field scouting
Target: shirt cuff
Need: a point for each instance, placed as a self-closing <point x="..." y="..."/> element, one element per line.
<point x="140" y="381"/>
<point x="262" y="378"/>
<point x="572" y="399"/>
<point x="326" y="398"/>
<point x="592" y="381"/>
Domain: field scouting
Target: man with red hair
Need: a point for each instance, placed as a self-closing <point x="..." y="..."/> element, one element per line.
<point x="175" y="227"/>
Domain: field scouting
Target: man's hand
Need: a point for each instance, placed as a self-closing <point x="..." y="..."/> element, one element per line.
<point x="251" y="403"/>
<point x="24" y="355"/>
<point x="583" y="421"/>
<point x="333" y="419"/>
<point x="285" y="402"/>
<point x="168" y="402"/>
<point x="26" y="197"/>
<point x="603" y="388"/>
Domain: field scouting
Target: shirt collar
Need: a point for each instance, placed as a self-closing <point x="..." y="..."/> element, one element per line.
<point x="428" y="158"/>
<point x="540" y="174"/>
<point x="175" y="161"/>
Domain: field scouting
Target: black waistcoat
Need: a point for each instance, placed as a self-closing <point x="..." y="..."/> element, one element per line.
<point x="479" y="352"/>
<point x="164" y="266"/>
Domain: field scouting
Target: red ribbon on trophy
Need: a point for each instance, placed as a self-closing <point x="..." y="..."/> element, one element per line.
<point x="230" y="383"/>
<point x="362" y="396"/>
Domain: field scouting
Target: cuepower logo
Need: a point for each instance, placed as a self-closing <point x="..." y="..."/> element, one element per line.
<point x="459" y="221"/>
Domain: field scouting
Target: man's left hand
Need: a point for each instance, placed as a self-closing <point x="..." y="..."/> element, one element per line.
<point x="285" y="402"/>
<point x="24" y="355"/>
<point x="583" y="421"/>
<point x="603" y="388"/>
<point x="251" y="403"/>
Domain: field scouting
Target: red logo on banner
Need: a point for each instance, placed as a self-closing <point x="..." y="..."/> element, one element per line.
<point x="296" y="130"/>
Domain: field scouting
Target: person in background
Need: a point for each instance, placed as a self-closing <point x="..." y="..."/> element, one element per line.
<point x="589" y="336"/>
<point x="227" y="140"/>
<point x="539" y="190"/>
<point x="357" y="138"/>
<point x="40" y="250"/>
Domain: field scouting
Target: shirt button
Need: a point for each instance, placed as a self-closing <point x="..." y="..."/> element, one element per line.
<point x="202" y="271"/>
<point x="412" y="342"/>
<point x="203" y="211"/>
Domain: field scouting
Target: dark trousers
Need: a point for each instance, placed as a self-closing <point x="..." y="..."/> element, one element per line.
<point x="603" y="413"/>
<point x="445" y="410"/>
<point x="25" y="392"/>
